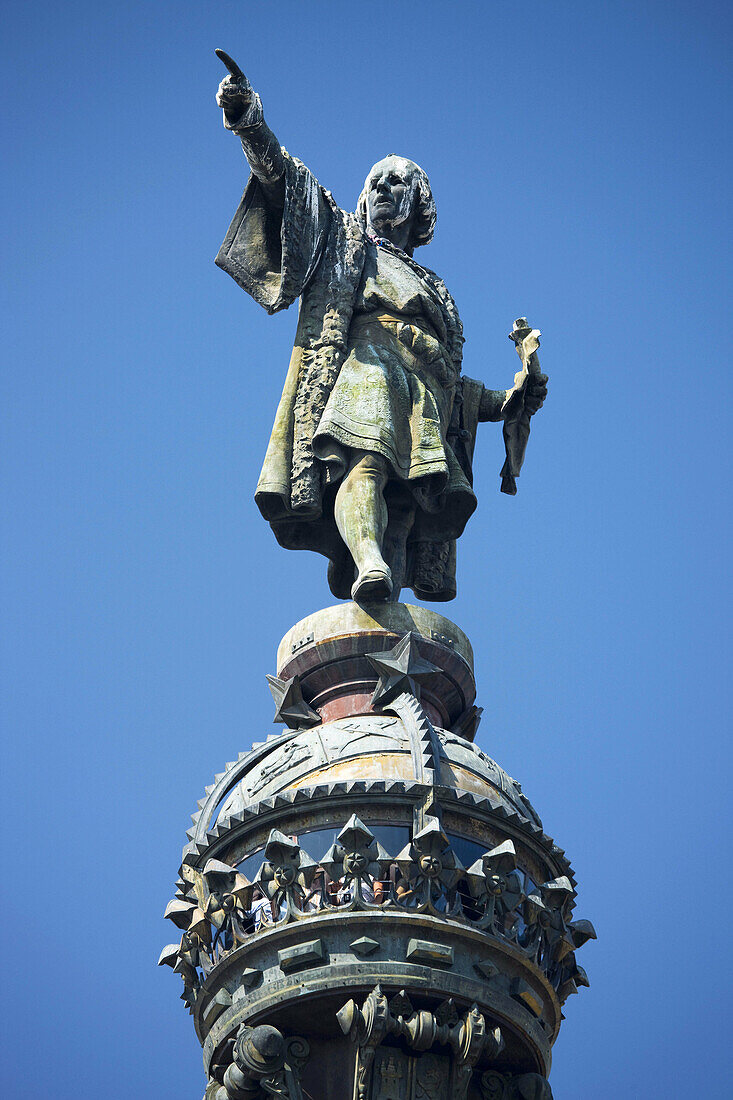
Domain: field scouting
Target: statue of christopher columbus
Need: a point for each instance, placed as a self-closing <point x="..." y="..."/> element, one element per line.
<point x="370" y="457"/>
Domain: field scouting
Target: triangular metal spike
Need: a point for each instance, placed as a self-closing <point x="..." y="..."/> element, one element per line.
<point x="180" y="912"/>
<point x="168" y="955"/>
<point x="217" y="867"/>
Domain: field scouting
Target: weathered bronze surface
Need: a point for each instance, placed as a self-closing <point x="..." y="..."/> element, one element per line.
<point x="370" y="458"/>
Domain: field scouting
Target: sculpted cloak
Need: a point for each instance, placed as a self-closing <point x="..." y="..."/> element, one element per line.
<point x="376" y="367"/>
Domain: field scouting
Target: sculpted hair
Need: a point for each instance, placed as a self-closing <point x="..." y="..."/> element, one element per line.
<point x="423" y="226"/>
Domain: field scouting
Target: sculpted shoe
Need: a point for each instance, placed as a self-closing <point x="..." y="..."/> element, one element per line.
<point x="372" y="585"/>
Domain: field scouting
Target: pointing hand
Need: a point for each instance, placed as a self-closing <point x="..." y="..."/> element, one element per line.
<point x="235" y="91"/>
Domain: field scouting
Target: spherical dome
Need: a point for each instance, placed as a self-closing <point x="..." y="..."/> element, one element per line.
<point x="368" y="747"/>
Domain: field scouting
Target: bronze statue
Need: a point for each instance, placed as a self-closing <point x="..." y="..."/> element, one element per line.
<point x="369" y="461"/>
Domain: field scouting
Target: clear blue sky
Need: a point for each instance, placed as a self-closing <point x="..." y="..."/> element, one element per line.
<point x="581" y="161"/>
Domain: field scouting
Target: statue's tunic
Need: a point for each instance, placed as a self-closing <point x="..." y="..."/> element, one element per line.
<point x="376" y="367"/>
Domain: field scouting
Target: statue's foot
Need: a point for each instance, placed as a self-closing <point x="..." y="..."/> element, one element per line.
<point x="372" y="585"/>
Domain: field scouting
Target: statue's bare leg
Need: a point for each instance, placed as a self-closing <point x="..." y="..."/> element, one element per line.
<point x="401" y="510"/>
<point x="360" y="512"/>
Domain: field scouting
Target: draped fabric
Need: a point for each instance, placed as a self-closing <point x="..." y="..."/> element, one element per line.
<point x="376" y="366"/>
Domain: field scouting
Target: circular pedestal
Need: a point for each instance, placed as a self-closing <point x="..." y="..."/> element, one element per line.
<point x="328" y="652"/>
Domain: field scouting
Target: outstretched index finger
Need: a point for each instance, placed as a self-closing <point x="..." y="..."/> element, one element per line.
<point x="231" y="64"/>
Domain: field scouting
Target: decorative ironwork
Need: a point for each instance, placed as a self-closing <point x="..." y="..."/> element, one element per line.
<point x="221" y="909"/>
<point x="263" y="1063"/>
<point x="466" y="1035"/>
<point x="356" y="863"/>
<point x="285" y="876"/>
<point x="228" y="903"/>
<point x="290" y="706"/>
<point x="497" y="888"/>
<point x="430" y="871"/>
<point x="401" y="670"/>
<point x="551" y="938"/>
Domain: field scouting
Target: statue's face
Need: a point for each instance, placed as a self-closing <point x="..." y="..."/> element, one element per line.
<point x="390" y="195"/>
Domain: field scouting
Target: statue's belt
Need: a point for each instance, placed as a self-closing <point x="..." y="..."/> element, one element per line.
<point x="414" y="333"/>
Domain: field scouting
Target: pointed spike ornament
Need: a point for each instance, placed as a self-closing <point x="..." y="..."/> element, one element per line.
<point x="180" y="912"/>
<point x="169" y="955"/>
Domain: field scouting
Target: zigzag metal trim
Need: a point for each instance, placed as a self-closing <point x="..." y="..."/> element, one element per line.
<point x="490" y="806"/>
<point x="226" y="780"/>
<point x="424" y="745"/>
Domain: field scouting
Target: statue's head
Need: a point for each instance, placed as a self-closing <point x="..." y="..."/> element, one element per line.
<point x="397" y="196"/>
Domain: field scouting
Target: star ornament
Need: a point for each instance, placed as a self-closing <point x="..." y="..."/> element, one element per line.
<point x="400" y="670"/>
<point x="291" y="707"/>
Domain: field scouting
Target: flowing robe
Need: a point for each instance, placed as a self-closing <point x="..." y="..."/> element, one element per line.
<point x="376" y="367"/>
